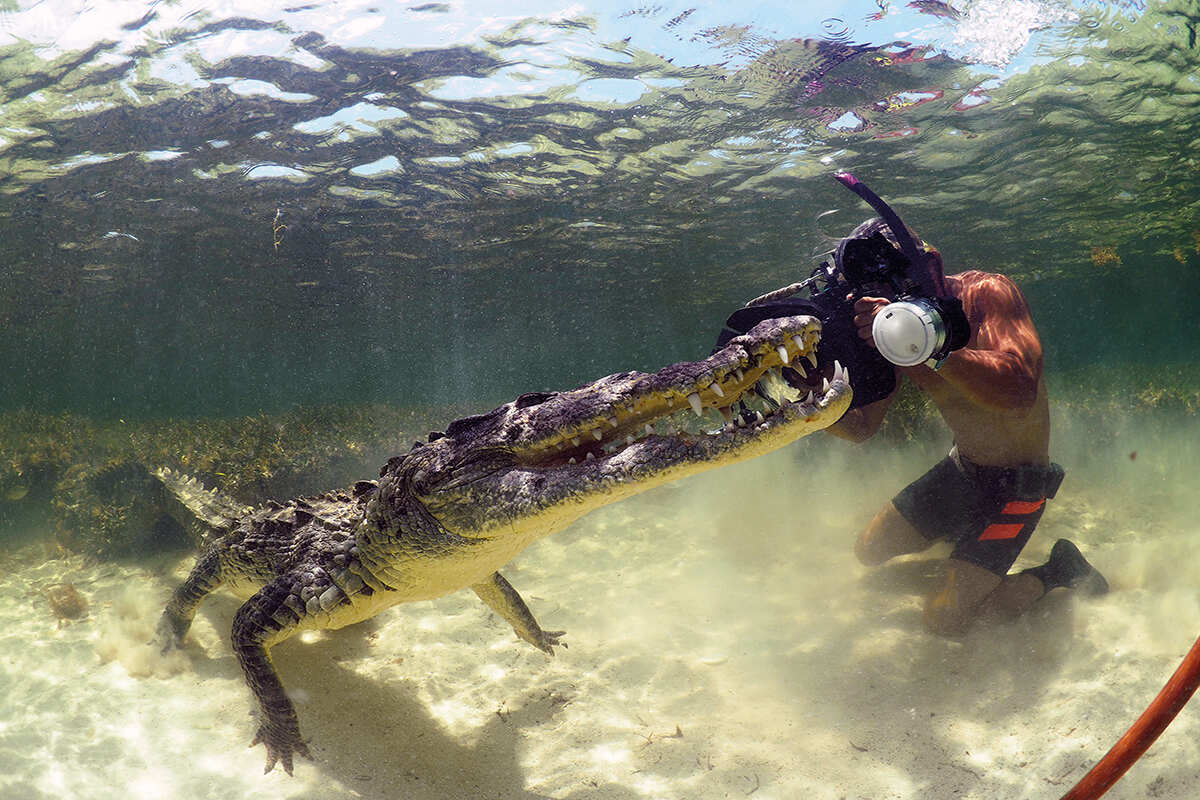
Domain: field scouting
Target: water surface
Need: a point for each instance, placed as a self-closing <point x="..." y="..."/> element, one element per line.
<point x="228" y="208"/>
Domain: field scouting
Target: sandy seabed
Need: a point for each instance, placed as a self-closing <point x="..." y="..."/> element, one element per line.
<point x="723" y="641"/>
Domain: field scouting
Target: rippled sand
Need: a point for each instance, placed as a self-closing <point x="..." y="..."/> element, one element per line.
<point x="723" y="643"/>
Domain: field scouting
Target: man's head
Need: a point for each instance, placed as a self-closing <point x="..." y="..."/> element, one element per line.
<point x="933" y="266"/>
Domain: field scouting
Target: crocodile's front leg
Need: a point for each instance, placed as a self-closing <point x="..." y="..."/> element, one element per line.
<point x="177" y="617"/>
<point x="267" y="618"/>
<point x="501" y="597"/>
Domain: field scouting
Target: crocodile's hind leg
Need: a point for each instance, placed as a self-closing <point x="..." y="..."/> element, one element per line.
<point x="269" y="617"/>
<point x="499" y="595"/>
<point x="177" y="617"/>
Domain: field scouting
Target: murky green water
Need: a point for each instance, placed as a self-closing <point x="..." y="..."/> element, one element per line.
<point x="274" y="242"/>
<point x="227" y="210"/>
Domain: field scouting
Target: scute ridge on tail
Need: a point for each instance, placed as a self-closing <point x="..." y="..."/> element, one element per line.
<point x="211" y="510"/>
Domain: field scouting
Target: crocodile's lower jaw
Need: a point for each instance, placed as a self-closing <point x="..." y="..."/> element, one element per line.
<point x="657" y="458"/>
<point x="623" y="408"/>
<point x="757" y="431"/>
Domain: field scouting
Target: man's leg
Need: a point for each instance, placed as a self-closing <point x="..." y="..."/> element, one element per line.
<point x="889" y="535"/>
<point x="970" y="591"/>
<point x="964" y="594"/>
<point x="1015" y="595"/>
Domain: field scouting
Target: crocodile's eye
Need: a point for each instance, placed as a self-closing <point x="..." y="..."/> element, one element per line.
<point x="533" y="399"/>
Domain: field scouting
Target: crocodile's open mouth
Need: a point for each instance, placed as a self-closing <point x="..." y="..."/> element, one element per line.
<point x="738" y="392"/>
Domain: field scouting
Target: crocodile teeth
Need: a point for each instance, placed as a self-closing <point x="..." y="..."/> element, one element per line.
<point x="799" y="343"/>
<point x="596" y="434"/>
<point x="575" y="441"/>
<point x="717" y="390"/>
<point x="694" y="400"/>
<point x="589" y="456"/>
<point x="837" y="370"/>
<point x="571" y="460"/>
<point x="612" y="422"/>
<point x="812" y="359"/>
<point x="797" y="366"/>
<point x="758" y="417"/>
<point x="783" y="356"/>
<point x="825" y="385"/>
<point x="741" y="376"/>
<point x="846" y="375"/>
<point x="629" y="439"/>
<point x="649" y="429"/>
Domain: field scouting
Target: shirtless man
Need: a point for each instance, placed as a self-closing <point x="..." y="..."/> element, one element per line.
<point x="988" y="495"/>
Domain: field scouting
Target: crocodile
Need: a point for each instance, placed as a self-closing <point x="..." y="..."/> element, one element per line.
<point x="454" y="509"/>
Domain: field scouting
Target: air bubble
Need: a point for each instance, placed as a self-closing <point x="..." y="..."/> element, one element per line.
<point x="836" y="29"/>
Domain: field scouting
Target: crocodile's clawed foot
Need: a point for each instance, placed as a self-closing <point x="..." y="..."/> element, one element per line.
<point x="166" y="638"/>
<point x="281" y="745"/>
<point x="550" y="640"/>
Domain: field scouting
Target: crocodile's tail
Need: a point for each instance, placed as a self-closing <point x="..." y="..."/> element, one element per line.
<point x="211" y="512"/>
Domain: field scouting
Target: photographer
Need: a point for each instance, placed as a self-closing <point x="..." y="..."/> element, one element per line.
<point x="888" y="312"/>
<point x="987" y="495"/>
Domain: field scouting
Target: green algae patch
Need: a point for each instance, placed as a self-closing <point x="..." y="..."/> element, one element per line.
<point x="89" y="486"/>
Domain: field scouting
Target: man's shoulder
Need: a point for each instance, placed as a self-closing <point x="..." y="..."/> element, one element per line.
<point x="977" y="283"/>
<point x="974" y="276"/>
<point x="990" y="295"/>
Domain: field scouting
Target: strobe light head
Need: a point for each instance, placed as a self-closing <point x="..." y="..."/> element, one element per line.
<point x="919" y="330"/>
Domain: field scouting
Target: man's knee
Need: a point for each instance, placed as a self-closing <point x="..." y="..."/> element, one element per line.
<point x="868" y="548"/>
<point x="889" y="535"/>
<point x="945" y="619"/>
<point x="964" y="594"/>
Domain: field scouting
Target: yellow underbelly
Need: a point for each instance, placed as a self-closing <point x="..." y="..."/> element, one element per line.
<point x="412" y="579"/>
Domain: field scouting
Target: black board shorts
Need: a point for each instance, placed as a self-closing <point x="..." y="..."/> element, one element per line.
<point x="988" y="513"/>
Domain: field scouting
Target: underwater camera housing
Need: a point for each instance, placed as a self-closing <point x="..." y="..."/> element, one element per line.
<point x="918" y="326"/>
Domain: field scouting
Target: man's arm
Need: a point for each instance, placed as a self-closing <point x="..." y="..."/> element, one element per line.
<point x="993" y="379"/>
<point x="860" y="424"/>
<point x="1001" y="366"/>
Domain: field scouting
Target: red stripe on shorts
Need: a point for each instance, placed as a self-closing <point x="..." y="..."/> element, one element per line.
<point x="1019" y="507"/>
<point x="1002" y="530"/>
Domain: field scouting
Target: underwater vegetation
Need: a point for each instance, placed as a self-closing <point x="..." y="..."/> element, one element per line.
<point x="1130" y="388"/>
<point x="90" y="483"/>
<point x="65" y="601"/>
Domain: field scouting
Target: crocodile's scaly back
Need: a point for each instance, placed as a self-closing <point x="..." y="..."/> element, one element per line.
<point x="208" y="513"/>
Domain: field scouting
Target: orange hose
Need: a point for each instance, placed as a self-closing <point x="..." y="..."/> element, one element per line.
<point x="1137" y="740"/>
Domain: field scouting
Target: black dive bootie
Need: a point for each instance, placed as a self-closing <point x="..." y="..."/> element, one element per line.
<point x="1067" y="567"/>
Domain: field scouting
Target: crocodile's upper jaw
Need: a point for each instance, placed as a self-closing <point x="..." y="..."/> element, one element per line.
<point x="532" y="466"/>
